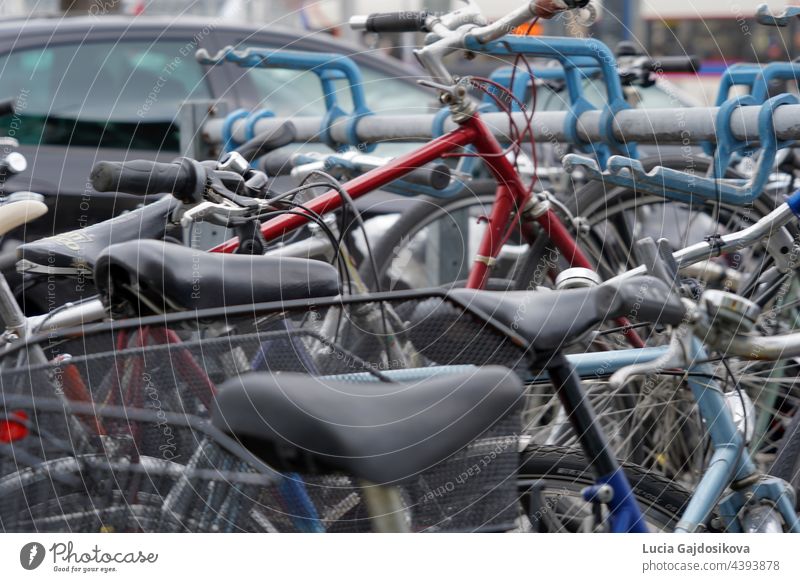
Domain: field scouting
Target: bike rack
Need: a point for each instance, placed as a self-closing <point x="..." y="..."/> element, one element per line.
<point x="328" y="67"/>
<point x="574" y="54"/>
<point x="522" y="79"/>
<point x="682" y="186"/>
<point x="765" y="16"/>
<point x="756" y="78"/>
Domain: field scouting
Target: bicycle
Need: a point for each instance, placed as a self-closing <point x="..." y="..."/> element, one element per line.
<point x="501" y="338"/>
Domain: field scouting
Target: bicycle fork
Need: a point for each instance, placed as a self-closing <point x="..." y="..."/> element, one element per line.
<point x="757" y="502"/>
<point x="611" y="487"/>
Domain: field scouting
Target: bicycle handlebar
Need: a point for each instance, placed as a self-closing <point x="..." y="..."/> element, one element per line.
<point x="687" y="64"/>
<point x="277" y="164"/>
<point x="183" y="179"/>
<point x="266" y="142"/>
<point x="452" y="31"/>
<point x="523" y="14"/>
<point x="378" y="22"/>
<point x="434" y="175"/>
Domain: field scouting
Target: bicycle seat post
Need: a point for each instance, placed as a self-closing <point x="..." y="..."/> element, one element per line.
<point x="611" y="487"/>
<point x="385" y="508"/>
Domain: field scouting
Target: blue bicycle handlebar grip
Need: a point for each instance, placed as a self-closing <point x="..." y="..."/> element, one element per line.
<point x="407" y="21"/>
<point x="436" y="176"/>
<point x="687" y="64"/>
<point x="266" y="142"/>
<point x="184" y="179"/>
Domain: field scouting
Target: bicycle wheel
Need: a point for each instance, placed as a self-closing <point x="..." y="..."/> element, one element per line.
<point x="433" y="243"/>
<point x="787" y="459"/>
<point x="559" y="474"/>
<point x="664" y="432"/>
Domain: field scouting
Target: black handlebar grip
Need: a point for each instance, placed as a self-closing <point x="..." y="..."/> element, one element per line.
<point x="687" y="64"/>
<point x="7" y="106"/>
<point x="184" y="179"/>
<point x="266" y="142"/>
<point x="572" y="4"/>
<point x="436" y="176"/>
<point x="409" y="21"/>
<point x="277" y="164"/>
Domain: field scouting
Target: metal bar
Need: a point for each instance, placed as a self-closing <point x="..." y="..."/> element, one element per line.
<point x="682" y="126"/>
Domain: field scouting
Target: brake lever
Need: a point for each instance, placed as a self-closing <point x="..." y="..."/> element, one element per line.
<point x="675" y="357"/>
<point x="209" y="211"/>
<point x="225" y="186"/>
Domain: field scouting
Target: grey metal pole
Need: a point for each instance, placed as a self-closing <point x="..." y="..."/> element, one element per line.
<point x="681" y="126"/>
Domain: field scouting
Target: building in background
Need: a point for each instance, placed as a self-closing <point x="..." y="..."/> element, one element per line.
<point x="720" y="32"/>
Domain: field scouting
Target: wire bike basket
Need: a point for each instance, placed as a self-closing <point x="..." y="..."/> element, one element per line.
<point x="113" y="432"/>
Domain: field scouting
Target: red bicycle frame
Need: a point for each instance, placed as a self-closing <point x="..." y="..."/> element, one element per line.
<point x="511" y="196"/>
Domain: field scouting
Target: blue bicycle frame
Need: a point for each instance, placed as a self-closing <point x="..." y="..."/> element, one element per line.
<point x="730" y="462"/>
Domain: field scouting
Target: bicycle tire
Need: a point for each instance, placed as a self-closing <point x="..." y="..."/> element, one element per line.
<point x="661" y="500"/>
<point x="598" y="202"/>
<point x="422" y="213"/>
<point x="787" y="460"/>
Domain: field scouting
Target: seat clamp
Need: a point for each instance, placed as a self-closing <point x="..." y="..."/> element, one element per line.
<point x="488" y="261"/>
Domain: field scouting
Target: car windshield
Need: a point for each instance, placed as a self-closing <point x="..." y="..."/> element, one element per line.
<point x="122" y="95"/>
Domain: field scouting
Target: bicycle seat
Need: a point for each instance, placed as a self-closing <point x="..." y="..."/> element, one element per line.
<point x="551" y="320"/>
<point x="381" y="432"/>
<point x="74" y="253"/>
<point x="154" y="277"/>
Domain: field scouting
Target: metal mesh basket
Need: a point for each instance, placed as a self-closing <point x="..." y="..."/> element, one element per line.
<point x="111" y="434"/>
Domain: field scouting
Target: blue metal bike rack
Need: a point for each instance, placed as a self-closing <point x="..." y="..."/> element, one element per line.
<point x="522" y="79"/>
<point x="575" y="55"/>
<point x="328" y="67"/>
<point x="764" y="16"/>
<point x="228" y="142"/>
<point x="681" y="186"/>
<point x="756" y="79"/>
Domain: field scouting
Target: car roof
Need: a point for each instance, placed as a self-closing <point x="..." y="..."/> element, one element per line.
<point x="12" y="29"/>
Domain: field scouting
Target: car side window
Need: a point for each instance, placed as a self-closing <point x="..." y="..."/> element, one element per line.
<point x="116" y="95"/>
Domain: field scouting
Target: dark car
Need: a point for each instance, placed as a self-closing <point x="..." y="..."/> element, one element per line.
<point x="109" y="88"/>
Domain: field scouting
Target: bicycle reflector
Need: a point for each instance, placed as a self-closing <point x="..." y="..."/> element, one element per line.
<point x="13" y="430"/>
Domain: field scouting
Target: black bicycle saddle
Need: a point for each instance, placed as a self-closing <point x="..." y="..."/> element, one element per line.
<point x="156" y="277"/>
<point x="381" y="432"/>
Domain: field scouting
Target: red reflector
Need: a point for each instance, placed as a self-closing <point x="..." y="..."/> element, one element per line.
<point x="11" y="431"/>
